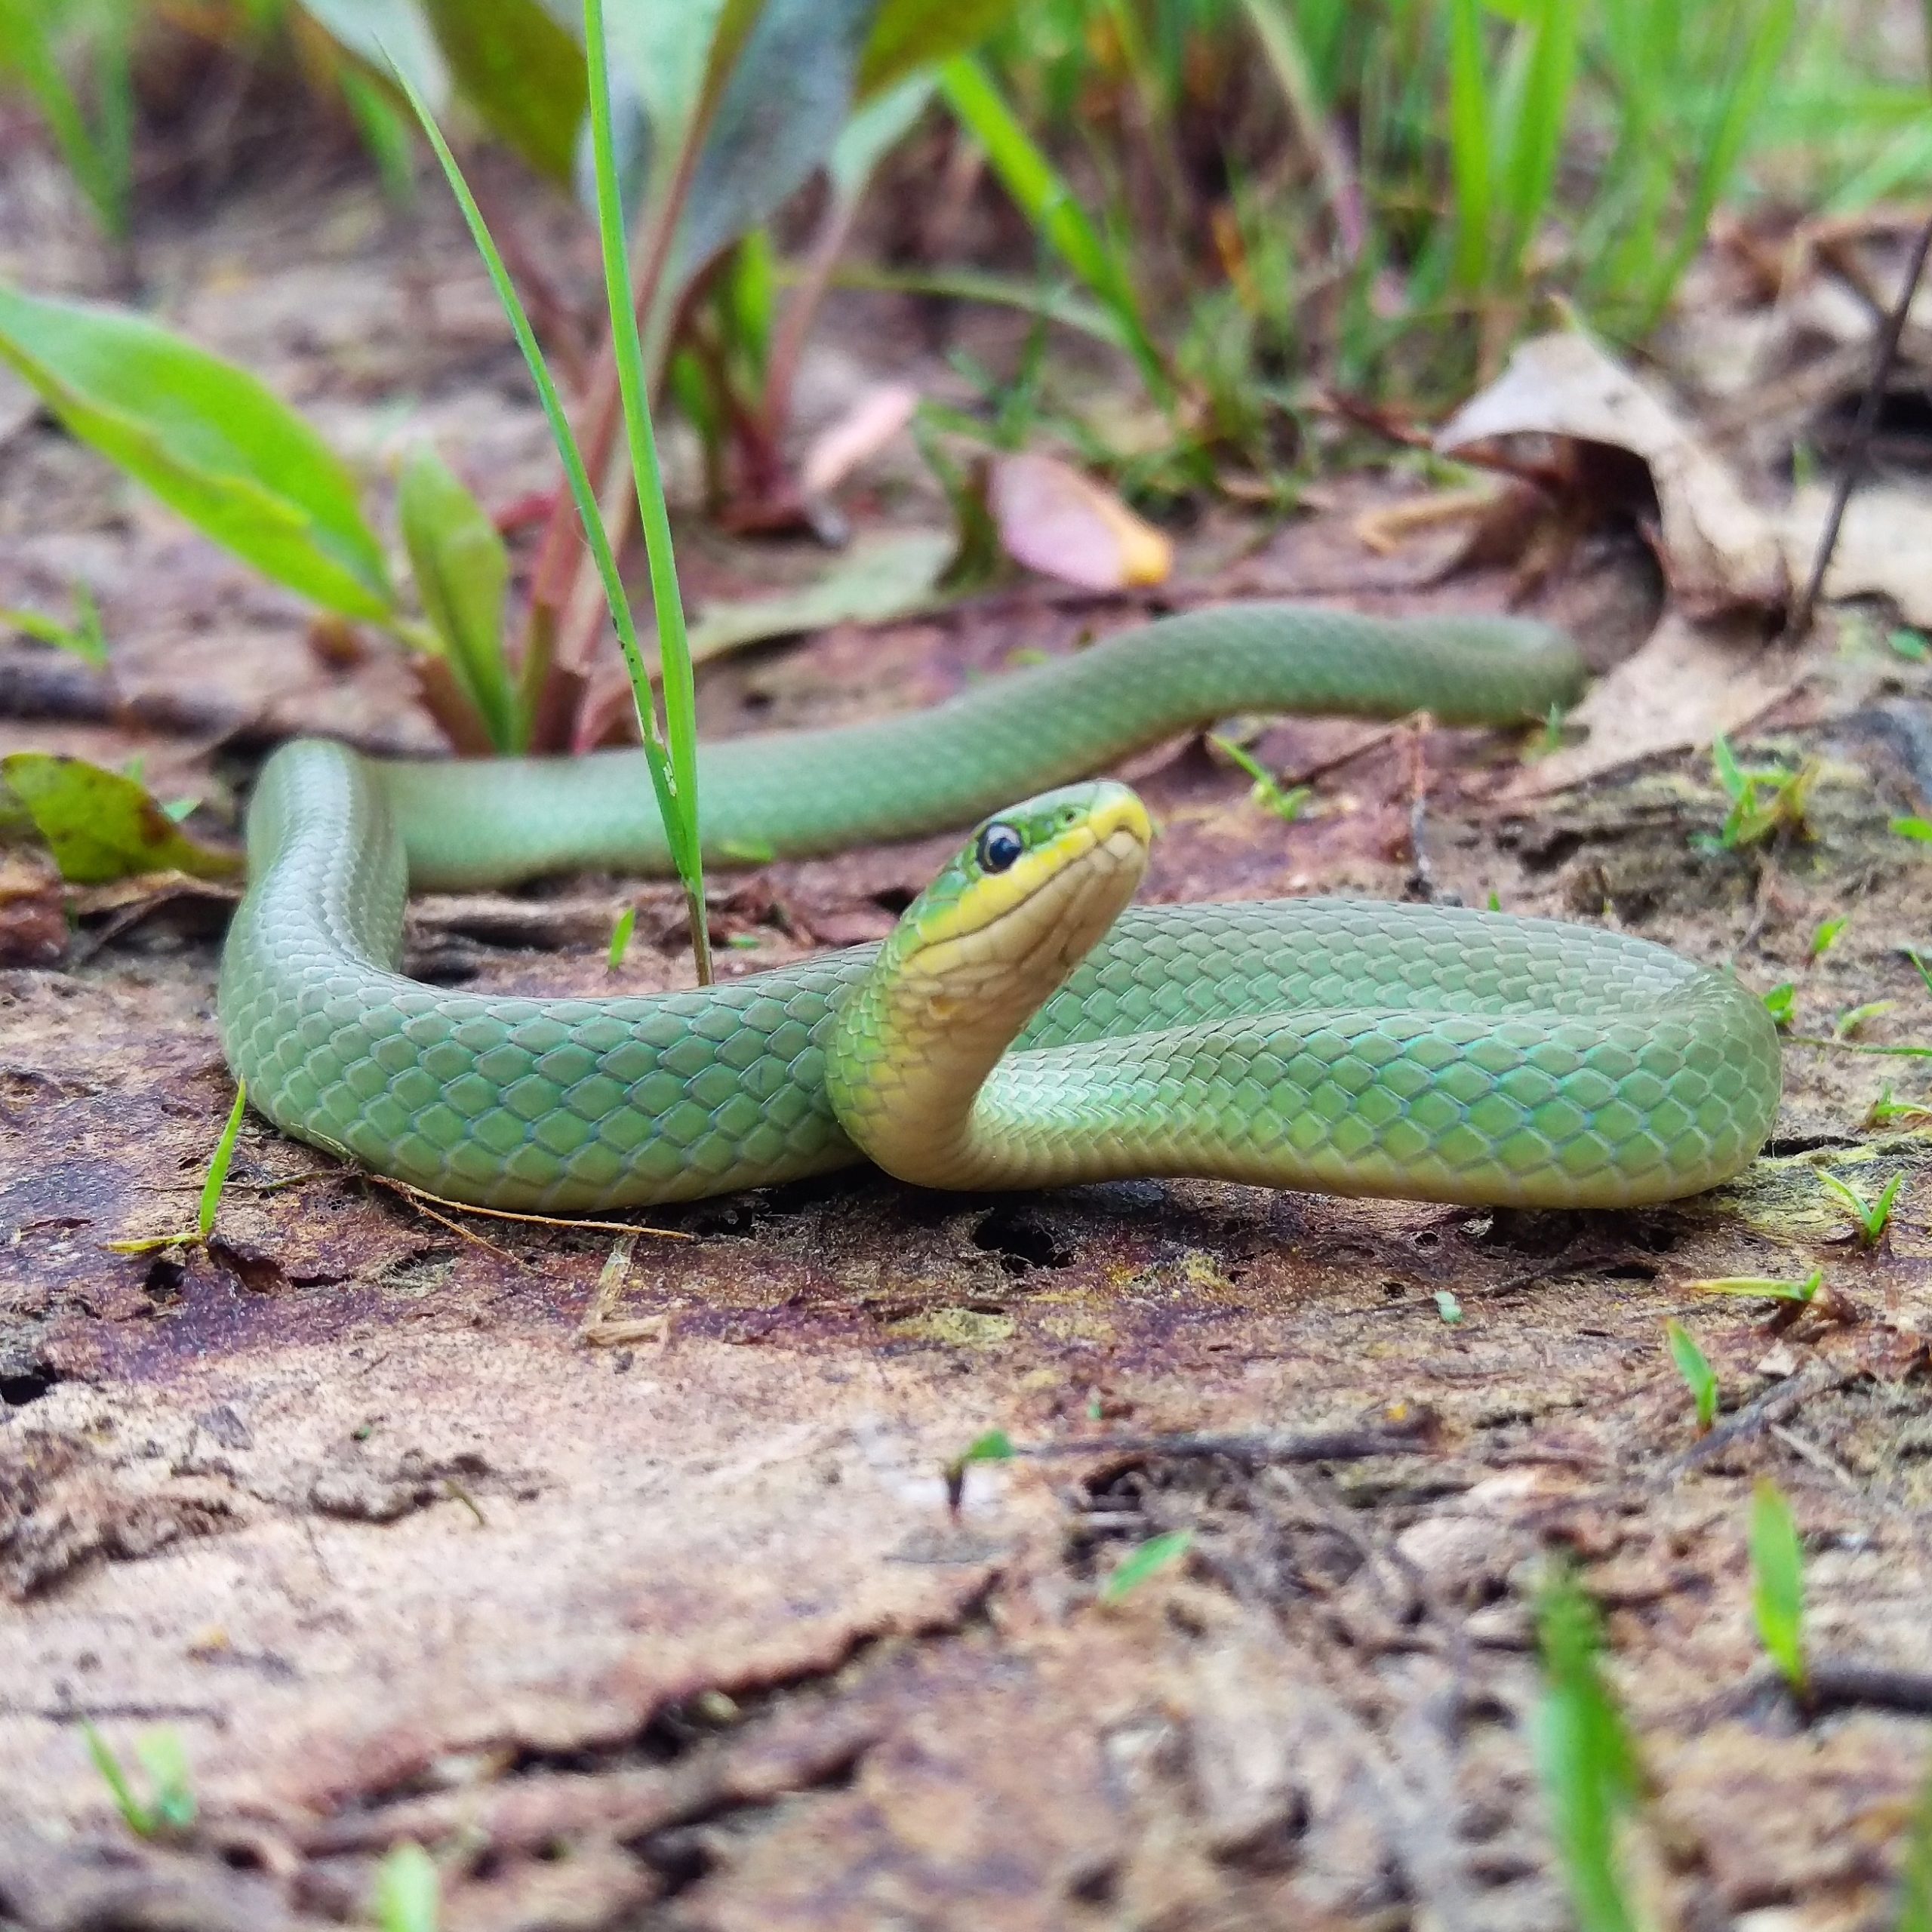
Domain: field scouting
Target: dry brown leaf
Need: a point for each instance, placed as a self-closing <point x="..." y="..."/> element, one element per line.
<point x="1683" y="684"/>
<point x="878" y="415"/>
<point x="1884" y="548"/>
<point x="1062" y="523"/>
<point x="1719" y="550"/>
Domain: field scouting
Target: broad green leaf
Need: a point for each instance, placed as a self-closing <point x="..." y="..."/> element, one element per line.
<point x="781" y="105"/>
<point x="462" y="572"/>
<point x="99" y="825"/>
<point x="210" y="440"/>
<point x="521" y="71"/>
<point x="383" y="32"/>
<point x="908" y="35"/>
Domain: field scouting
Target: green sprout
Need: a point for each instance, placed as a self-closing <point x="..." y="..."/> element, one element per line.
<point x="1848" y="1022"/>
<point x="1585" y="1757"/>
<point x="1915" y="1880"/>
<point x="1917" y="829"/>
<point x="1695" y="1368"/>
<point x="1887" y="1111"/>
<point x="1827" y="936"/>
<point x="1448" y="1307"/>
<point x="1873" y="1217"/>
<point x="995" y="1446"/>
<point x="1145" y="1560"/>
<point x="408" y="1890"/>
<point x="1781" y="1003"/>
<point x="212" y="1190"/>
<point x="171" y="1809"/>
<point x="1770" y="800"/>
<point x="84" y="637"/>
<point x="1285" y="802"/>
<point x="1777" y="1583"/>
<point x="620" y="935"/>
<point x="1911" y="646"/>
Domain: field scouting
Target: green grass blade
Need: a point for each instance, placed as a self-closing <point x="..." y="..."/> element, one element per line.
<point x="1469" y="144"/>
<point x="134" y="1814"/>
<point x="673" y="642"/>
<point x="1777" y="1582"/>
<point x="1143" y="1560"/>
<point x="224" y="1152"/>
<point x="1915" y="1880"/>
<point x="1030" y="178"/>
<point x="657" y="757"/>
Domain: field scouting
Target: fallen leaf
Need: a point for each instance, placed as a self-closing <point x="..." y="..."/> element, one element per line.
<point x="878" y="579"/>
<point x="1884" y="549"/>
<point x="1684" y="684"/>
<point x="880" y="414"/>
<point x="99" y="825"/>
<point x="1062" y="523"/>
<point x="1718" y="549"/>
<point x="33" y="923"/>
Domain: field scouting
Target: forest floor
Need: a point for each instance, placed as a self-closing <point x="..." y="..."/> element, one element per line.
<point x="622" y="1573"/>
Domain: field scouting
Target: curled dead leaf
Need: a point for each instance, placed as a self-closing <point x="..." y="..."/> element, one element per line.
<point x="1719" y="551"/>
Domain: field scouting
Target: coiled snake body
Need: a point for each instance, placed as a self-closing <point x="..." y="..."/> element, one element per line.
<point x="1022" y="1026"/>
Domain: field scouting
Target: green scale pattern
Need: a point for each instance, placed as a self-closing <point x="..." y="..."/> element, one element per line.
<point x="1354" y="1048"/>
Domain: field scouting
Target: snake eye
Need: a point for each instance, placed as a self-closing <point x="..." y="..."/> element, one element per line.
<point x="999" y="847"/>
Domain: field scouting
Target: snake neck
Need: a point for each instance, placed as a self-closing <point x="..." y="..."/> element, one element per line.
<point x="915" y="1041"/>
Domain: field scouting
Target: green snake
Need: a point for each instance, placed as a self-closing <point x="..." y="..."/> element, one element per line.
<point x="1024" y="1026"/>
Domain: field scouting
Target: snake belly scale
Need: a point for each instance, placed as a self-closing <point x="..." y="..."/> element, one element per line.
<point x="1023" y="1026"/>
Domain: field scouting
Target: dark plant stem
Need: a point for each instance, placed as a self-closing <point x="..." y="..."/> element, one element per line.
<point x="1803" y="610"/>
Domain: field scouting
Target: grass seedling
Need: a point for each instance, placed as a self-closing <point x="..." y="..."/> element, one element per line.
<point x="1695" y="1368"/>
<point x="1763" y="802"/>
<point x="1585" y="1756"/>
<point x="172" y="1808"/>
<point x="84" y="637"/>
<point x="216" y="1180"/>
<point x="1917" y="829"/>
<point x="1777" y="1583"/>
<point x="1886" y="1111"/>
<point x="1286" y="802"/>
<point x="1925" y="971"/>
<point x="1911" y="646"/>
<point x="1872" y="1217"/>
<point x="408" y="1892"/>
<point x="672" y="766"/>
<point x="621" y="935"/>
<point x="995" y="1446"/>
<point x="1145" y="1560"/>
<point x="1759" y="1287"/>
<point x="1848" y="1022"/>
<point x="1781" y="1003"/>
<point x="1827" y="936"/>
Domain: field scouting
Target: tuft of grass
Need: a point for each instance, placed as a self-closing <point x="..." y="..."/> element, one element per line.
<point x="1872" y="1218"/>
<point x="1286" y="802"/>
<point x="1145" y="1560"/>
<point x="170" y="1808"/>
<point x="1886" y="1111"/>
<point x="407" y="1891"/>
<point x="1765" y="801"/>
<point x="672" y="766"/>
<point x="1695" y="1368"/>
<point x="1777" y="1583"/>
<point x="1585" y="1757"/>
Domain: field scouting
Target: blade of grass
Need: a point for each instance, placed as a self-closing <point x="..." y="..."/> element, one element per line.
<point x="224" y="1152"/>
<point x="1049" y="204"/>
<point x="673" y="642"/>
<point x="680" y="833"/>
<point x="1469" y="144"/>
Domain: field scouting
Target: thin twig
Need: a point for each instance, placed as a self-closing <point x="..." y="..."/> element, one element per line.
<point x="567" y="1222"/>
<point x="1802" y="611"/>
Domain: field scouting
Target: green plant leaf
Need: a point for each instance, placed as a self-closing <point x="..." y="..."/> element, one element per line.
<point x="382" y="32"/>
<point x="521" y="71"/>
<point x="163" y="1756"/>
<point x="407" y="1891"/>
<point x="98" y="156"/>
<point x="907" y="35"/>
<point x="1916" y="1879"/>
<point x="99" y="825"/>
<point x="1699" y="1376"/>
<point x="217" y="1174"/>
<point x="209" y="439"/>
<point x="1143" y="1560"/>
<point x="462" y="571"/>
<point x="1777" y="1581"/>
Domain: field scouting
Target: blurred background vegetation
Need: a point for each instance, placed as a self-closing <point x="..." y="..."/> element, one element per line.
<point x="1262" y="203"/>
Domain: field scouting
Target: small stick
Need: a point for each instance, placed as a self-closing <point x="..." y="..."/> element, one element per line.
<point x="420" y="1195"/>
<point x="1802" y="611"/>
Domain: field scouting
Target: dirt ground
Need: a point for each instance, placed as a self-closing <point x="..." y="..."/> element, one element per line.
<point x="621" y="1573"/>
